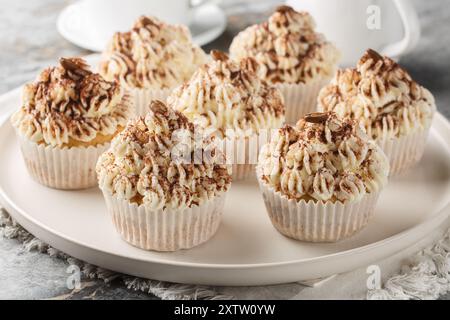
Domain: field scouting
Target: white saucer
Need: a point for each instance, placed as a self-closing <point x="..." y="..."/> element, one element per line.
<point x="208" y="23"/>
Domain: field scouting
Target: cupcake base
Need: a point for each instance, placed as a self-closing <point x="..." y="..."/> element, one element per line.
<point x="165" y="230"/>
<point x="62" y="168"/>
<point x="242" y="171"/>
<point x="317" y="221"/>
<point x="242" y="154"/>
<point x="404" y="152"/>
<point x="301" y="99"/>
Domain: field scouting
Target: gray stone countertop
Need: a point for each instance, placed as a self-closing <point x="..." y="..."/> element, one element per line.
<point x="29" y="42"/>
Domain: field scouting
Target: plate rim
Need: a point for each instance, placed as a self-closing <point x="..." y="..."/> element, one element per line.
<point x="439" y="123"/>
<point x="201" y="40"/>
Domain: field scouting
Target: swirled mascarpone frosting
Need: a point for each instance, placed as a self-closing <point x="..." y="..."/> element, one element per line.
<point x="323" y="158"/>
<point x="287" y="48"/>
<point x="381" y="96"/>
<point x="153" y="55"/>
<point x="143" y="164"/>
<point x="228" y="97"/>
<point x="70" y="103"/>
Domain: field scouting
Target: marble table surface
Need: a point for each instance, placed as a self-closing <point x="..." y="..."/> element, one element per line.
<point x="29" y="42"/>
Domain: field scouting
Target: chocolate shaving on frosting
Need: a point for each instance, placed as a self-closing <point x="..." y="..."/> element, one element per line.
<point x="69" y="102"/>
<point x="316" y="117"/>
<point x="287" y="48"/>
<point x="381" y="96"/>
<point x="284" y="9"/>
<point x="75" y="65"/>
<point x="372" y="54"/>
<point x="153" y="55"/>
<point x="141" y="165"/>
<point x="326" y="160"/>
<point x="227" y="96"/>
<point x="219" y="55"/>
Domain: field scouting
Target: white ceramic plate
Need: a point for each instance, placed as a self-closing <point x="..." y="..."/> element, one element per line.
<point x="246" y="250"/>
<point x="208" y="23"/>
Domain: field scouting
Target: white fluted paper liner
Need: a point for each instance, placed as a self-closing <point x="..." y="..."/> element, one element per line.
<point x="404" y="152"/>
<point x="168" y="229"/>
<point x="242" y="153"/>
<point x="301" y="99"/>
<point x="62" y="168"/>
<point x="241" y="172"/>
<point x="317" y="221"/>
<point x="141" y="98"/>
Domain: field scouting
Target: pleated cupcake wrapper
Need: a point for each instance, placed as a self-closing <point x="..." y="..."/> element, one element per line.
<point x="300" y="99"/>
<point x="244" y="154"/>
<point x="317" y="221"/>
<point x="404" y="152"/>
<point x="168" y="229"/>
<point x="141" y="98"/>
<point x="242" y="171"/>
<point x="62" y="168"/>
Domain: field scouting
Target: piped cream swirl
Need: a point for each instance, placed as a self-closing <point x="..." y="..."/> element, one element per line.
<point x="143" y="166"/>
<point x="381" y="96"/>
<point x="153" y="55"/>
<point x="323" y="158"/>
<point x="70" y="103"/>
<point x="227" y="96"/>
<point x="287" y="48"/>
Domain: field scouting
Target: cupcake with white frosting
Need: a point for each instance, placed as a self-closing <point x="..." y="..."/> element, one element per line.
<point x="321" y="178"/>
<point x="291" y="55"/>
<point x="151" y="59"/>
<point x="231" y="102"/>
<point x="67" y="119"/>
<point x="164" y="190"/>
<point x="394" y="110"/>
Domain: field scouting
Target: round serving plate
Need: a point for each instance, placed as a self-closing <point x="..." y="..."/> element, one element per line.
<point x="246" y="250"/>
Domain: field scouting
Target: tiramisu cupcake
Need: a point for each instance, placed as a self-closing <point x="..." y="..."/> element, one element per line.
<point x="395" y="111"/>
<point x="321" y="178"/>
<point x="291" y="55"/>
<point x="67" y="119"/>
<point x="163" y="190"/>
<point x="231" y="102"/>
<point x="150" y="60"/>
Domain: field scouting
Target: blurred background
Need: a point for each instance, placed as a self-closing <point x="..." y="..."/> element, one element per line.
<point x="29" y="39"/>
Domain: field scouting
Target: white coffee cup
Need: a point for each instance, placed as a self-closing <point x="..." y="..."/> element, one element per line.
<point x="353" y="26"/>
<point x="105" y="17"/>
